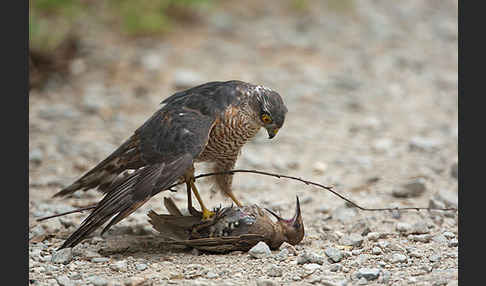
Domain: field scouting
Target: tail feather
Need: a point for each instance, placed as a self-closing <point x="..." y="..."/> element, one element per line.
<point x="127" y="195"/>
<point x="108" y="170"/>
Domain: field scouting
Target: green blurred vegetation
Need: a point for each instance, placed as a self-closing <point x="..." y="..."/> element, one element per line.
<point x="151" y="16"/>
<point x="338" y="6"/>
<point x="50" y="21"/>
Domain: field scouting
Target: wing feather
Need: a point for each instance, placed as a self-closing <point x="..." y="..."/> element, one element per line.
<point x="160" y="151"/>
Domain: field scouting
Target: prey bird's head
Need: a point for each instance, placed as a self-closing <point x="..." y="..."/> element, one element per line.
<point x="293" y="229"/>
<point x="270" y="109"/>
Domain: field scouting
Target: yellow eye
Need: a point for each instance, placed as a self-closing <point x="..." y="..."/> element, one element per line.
<point x="266" y="118"/>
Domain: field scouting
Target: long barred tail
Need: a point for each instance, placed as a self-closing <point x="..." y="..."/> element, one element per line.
<point x="127" y="156"/>
<point x="128" y="194"/>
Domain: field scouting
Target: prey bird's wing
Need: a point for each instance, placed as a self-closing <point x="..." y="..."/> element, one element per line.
<point x="168" y="144"/>
<point x="172" y="226"/>
<point x="221" y="244"/>
<point x="172" y="207"/>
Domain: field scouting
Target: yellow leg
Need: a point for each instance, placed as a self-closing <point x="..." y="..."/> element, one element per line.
<point x="232" y="196"/>
<point x="206" y="214"/>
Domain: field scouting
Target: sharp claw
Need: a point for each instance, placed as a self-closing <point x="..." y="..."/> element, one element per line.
<point x="207" y="214"/>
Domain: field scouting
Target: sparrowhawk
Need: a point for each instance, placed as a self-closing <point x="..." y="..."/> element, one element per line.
<point x="207" y="123"/>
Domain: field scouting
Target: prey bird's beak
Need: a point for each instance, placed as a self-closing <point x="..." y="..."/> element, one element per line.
<point x="297" y="216"/>
<point x="293" y="229"/>
<point x="295" y="220"/>
<point x="272" y="132"/>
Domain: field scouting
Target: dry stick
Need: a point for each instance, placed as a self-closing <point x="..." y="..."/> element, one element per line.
<point x="321" y="186"/>
<point x="272" y="175"/>
<point x="69" y="212"/>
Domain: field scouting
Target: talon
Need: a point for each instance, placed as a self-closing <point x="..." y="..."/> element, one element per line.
<point x="207" y="214"/>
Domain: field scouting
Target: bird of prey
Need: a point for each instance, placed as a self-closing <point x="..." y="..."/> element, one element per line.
<point x="207" y="123"/>
<point x="231" y="228"/>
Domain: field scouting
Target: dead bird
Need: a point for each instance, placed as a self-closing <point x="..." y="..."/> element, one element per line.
<point x="231" y="228"/>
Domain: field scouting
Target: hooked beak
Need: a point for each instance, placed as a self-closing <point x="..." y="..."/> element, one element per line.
<point x="272" y="132"/>
<point x="295" y="220"/>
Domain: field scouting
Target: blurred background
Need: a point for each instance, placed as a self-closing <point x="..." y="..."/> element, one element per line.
<point x="371" y="88"/>
<point x="372" y="93"/>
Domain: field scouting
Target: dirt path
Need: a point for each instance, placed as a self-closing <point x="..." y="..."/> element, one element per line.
<point x="372" y="95"/>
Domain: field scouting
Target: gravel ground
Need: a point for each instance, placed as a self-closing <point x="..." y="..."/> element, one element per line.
<point x="371" y="89"/>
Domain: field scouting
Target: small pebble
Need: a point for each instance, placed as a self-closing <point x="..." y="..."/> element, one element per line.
<point x="266" y="283"/>
<point x="353" y="239"/>
<point x="385" y="276"/>
<point x="403" y="227"/>
<point x="449" y="235"/>
<point x="37" y="230"/>
<point x="36" y="156"/>
<point x="439" y="238"/>
<point x="335" y="267"/>
<point x="398" y="257"/>
<point x="260" y="250"/>
<point x="434" y="258"/>
<point x="211" y="275"/>
<point x="141" y="266"/>
<point x="309" y="257"/>
<point x="63" y="280"/>
<point x="376" y="250"/>
<point x="411" y="189"/>
<point x="420" y="237"/>
<point x="368" y="273"/>
<point x="75" y="276"/>
<point x="98" y="281"/>
<point x="362" y="258"/>
<point x="291" y="249"/>
<point x="420" y="227"/>
<point x="274" y="271"/>
<point x="415" y="253"/>
<point x="334" y="254"/>
<point x="453" y="243"/>
<point x="63" y="256"/>
<point x="362" y="281"/>
<point x="311" y="267"/>
<point x="119" y="266"/>
<point x="373" y="236"/>
<point x="134" y="281"/>
<point x="99" y="259"/>
<point x="282" y="255"/>
<point x="383" y="244"/>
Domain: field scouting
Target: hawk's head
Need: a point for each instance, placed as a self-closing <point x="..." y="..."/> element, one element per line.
<point x="270" y="108"/>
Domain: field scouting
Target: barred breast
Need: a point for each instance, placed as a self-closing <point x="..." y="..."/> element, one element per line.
<point x="227" y="137"/>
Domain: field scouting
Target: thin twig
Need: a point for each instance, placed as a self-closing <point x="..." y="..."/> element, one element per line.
<point x="321" y="186"/>
<point x="277" y="176"/>
<point x="69" y="212"/>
